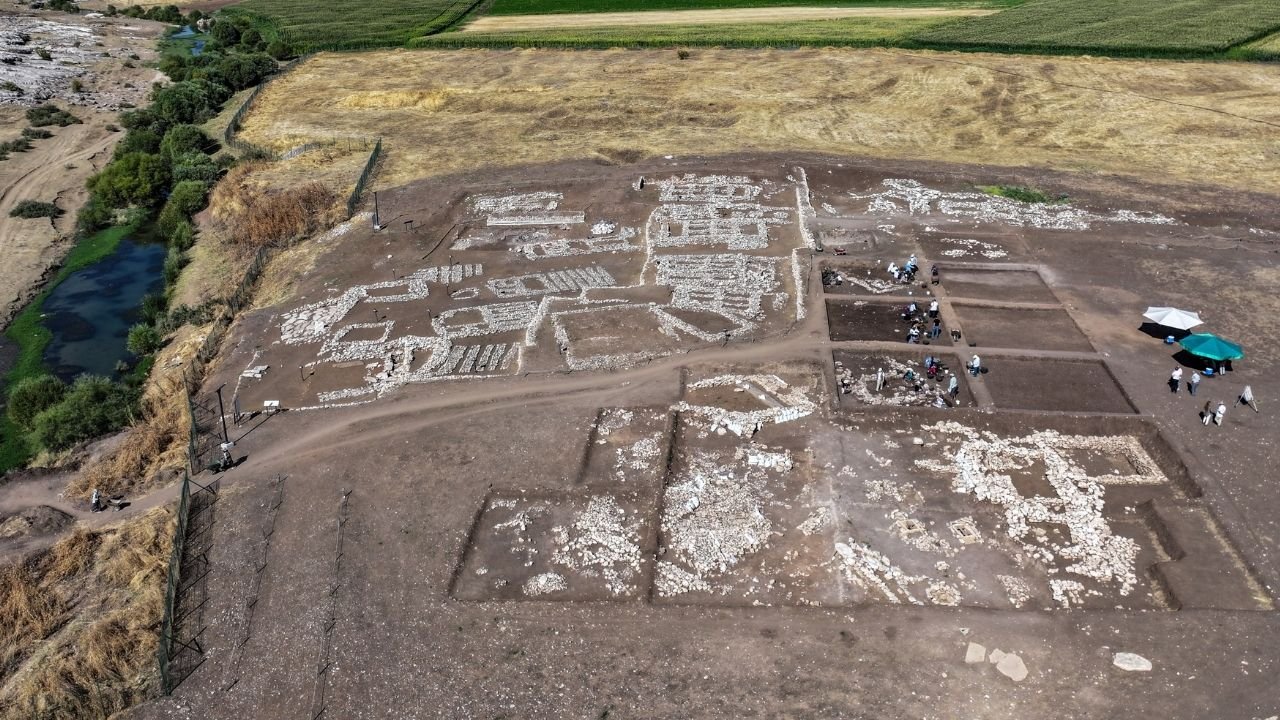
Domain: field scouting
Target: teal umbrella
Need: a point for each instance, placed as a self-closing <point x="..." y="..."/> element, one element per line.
<point x="1212" y="347"/>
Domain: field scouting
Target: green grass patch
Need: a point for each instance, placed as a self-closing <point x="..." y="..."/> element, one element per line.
<point x="849" y="32"/>
<point x="182" y="46"/>
<point x="1113" y="27"/>
<point x="1022" y="194"/>
<point x="547" y="7"/>
<point x="308" y="25"/>
<point x="31" y="336"/>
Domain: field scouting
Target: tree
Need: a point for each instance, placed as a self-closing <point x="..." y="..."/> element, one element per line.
<point x="92" y="407"/>
<point x="225" y="33"/>
<point x="132" y="179"/>
<point x="190" y="101"/>
<point x="33" y="395"/>
<point x="242" y="71"/>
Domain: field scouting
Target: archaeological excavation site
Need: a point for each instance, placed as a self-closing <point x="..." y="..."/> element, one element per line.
<point x="573" y="416"/>
<point x="720" y="359"/>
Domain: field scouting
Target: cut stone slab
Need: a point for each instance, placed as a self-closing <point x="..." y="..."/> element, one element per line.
<point x="1131" y="662"/>
<point x="996" y="656"/>
<point x="1012" y="667"/>
<point x="975" y="653"/>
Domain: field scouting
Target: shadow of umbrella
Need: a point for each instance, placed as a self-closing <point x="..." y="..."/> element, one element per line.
<point x="1160" y="332"/>
<point x="1195" y="362"/>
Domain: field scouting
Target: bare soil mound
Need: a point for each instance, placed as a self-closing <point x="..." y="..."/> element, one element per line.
<point x="38" y="520"/>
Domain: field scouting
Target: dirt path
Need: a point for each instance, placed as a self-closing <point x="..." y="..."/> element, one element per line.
<point x="505" y="23"/>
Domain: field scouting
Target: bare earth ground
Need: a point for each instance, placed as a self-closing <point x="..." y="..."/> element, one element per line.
<point x="449" y="112"/>
<point x="527" y="545"/>
<point x="56" y="168"/>
<point x="500" y="23"/>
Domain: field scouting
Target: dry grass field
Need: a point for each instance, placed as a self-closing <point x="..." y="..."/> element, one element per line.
<point x="443" y="112"/>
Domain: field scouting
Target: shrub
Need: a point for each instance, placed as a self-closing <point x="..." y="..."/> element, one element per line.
<point x="184" y="138"/>
<point x="47" y="114"/>
<point x="16" y="145"/>
<point x="12" y="87"/>
<point x="195" y="166"/>
<point x="138" y="141"/>
<point x="133" y="179"/>
<point x="144" y="339"/>
<point x="33" y="395"/>
<point x="153" y="307"/>
<point x="183" y="236"/>
<point x="36" y="134"/>
<point x="30" y="209"/>
<point x="77" y="86"/>
<point x="186" y="199"/>
<point x="270" y="218"/>
<point x="92" y="407"/>
<point x="279" y="50"/>
<point x="1022" y="194"/>
<point x="174" y="261"/>
<point x="44" y="53"/>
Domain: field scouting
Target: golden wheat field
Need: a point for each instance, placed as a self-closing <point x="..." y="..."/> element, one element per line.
<point x="448" y="111"/>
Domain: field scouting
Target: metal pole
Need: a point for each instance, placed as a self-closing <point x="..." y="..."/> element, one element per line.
<point x="222" y="414"/>
<point x="375" y="209"/>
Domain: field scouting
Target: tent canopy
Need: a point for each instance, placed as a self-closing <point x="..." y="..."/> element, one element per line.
<point x="1208" y="345"/>
<point x="1172" y="317"/>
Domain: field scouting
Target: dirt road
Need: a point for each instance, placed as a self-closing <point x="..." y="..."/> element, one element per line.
<point x="506" y="23"/>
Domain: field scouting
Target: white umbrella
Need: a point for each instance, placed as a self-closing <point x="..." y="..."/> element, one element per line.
<point x="1172" y="317"/>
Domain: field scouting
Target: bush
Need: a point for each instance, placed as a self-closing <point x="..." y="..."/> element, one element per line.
<point x="279" y="50"/>
<point x="144" y="339"/>
<point x="183" y="236"/>
<point x="133" y="179"/>
<point x="137" y="141"/>
<point x="33" y="395"/>
<point x="94" y="215"/>
<point x="92" y="407"/>
<point x="153" y="307"/>
<point x="1022" y="194"/>
<point x="47" y="114"/>
<point x="195" y="166"/>
<point x="186" y="199"/>
<point x="36" y="134"/>
<point x="31" y="209"/>
<point x="12" y="87"/>
<point x="183" y="139"/>
<point x="44" y="53"/>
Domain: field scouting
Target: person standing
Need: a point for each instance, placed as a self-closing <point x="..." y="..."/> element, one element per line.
<point x="1217" y="414"/>
<point x="933" y="309"/>
<point x="937" y="329"/>
<point x="1194" y="383"/>
<point x="953" y="387"/>
<point x="1175" y="380"/>
<point x="1208" y="412"/>
<point x="975" y="366"/>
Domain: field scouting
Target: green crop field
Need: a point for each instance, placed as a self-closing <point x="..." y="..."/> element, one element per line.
<point x="859" y="32"/>
<point x="311" y="25"/>
<point x="544" y="7"/>
<point x="1139" y="27"/>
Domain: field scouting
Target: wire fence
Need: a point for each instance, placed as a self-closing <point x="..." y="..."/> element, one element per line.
<point x="180" y="651"/>
<point x="354" y="200"/>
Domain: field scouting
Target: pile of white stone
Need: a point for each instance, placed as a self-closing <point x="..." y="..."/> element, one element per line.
<point x="967" y="246"/>
<point x="981" y="466"/>
<point x="552" y="281"/>
<point x="713" y="517"/>
<point x="902" y="196"/>
<point x="785" y="403"/>
<point x="514" y="209"/>
<point x="602" y="541"/>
